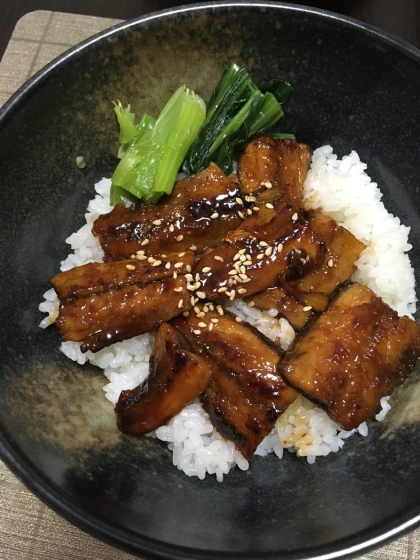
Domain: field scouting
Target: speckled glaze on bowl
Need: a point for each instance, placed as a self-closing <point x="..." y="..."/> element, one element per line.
<point x="356" y="88"/>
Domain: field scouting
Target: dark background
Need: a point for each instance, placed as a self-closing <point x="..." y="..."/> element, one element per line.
<point x="399" y="17"/>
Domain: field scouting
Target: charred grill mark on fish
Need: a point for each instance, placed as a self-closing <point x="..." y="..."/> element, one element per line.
<point x="177" y="376"/>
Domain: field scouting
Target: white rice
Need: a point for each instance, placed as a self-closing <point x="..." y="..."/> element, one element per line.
<point x="339" y="188"/>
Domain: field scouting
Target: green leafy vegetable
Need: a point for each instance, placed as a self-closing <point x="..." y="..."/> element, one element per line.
<point x="154" y="152"/>
<point x="237" y="112"/>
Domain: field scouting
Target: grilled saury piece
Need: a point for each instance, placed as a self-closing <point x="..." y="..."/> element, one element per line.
<point x="354" y="354"/>
<point x="252" y="257"/>
<point x="177" y="376"/>
<point x="278" y="163"/>
<point x="246" y="392"/>
<point x="201" y="210"/>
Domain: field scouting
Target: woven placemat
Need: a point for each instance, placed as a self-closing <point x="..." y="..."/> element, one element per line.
<point x="29" y="530"/>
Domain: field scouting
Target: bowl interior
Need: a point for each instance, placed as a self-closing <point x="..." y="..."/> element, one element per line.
<point x="355" y="89"/>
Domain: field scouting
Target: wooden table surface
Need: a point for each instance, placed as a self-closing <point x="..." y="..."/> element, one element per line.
<point x="29" y="530"/>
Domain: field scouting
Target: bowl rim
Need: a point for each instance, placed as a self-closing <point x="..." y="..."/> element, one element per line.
<point x="46" y="490"/>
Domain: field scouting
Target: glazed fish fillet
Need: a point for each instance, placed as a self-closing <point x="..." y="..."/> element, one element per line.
<point x="199" y="213"/>
<point x="354" y="354"/>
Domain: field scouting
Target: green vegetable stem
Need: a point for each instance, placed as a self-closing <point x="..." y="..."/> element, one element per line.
<point x="152" y="152"/>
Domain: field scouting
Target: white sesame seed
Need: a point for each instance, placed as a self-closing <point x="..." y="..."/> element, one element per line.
<point x="201" y="314"/>
<point x="192" y="300"/>
<point x="222" y="289"/>
<point x="268" y="185"/>
<point x="238" y="319"/>
<point x="232" y="295"/>
<point x="132" y="256"/>
<point x="241" y="291"/>
<point x="215" y="320"/>
<point x="186" y="313"/>
<point x="217" y="258"/>
<point x="181" y="255"/>
<point x="130" y="267"/>
<point x="279" y="247"/>
<point x="189" y="277"/>
<point x="163" y="256"/>
<point x="202" y="324"/>
<point x="179" y="289"/>
<point x="151" y="259"/>
<point x="180" y="238"/>
<point x="211" y="327"/>
<point x="190" y="287"/>
<point x="211" y="307"/>
<point x="242" y="258"/>
<point x="263" y="244"/>
<point x="303" y="261"/>
<point x="197" y="309"/>
<point x="206" y="269"/>
<point x="268" y="251"/>
<point x="197" y="276"/>
<point x="298" y="251"/>
<point x="330" y="263"/>
<point x="168" y="265"/>
<point x="232" y="272"/>
<point x="140" y="252"/>
<point x="295" y="216"/>
<point x="220" y="310"/>
<point x="249" y="211"/>
<point x="196" y="331"/>
<point x="251" y="303"/>
<point x="144" y="242"/>
<point x="244" y="277"/>
<point x="239" y="201"/>
<point x="180" y="303"/>
<point x="214" y="216"/>
<point x="241" y="215"/>
<point x="178" y="264"/>
<point x="157" y="222"/>
<point x="171" y="228"/>
<point x="156" y="263"/>
<point x="237" y="256"/>
<point x="197" y="285"/>
<point x="247" y="263"/>
<point x="269" y="205"/>
<point x="188" y="267"/>
<point x="242" y="270"/>
<point x="256" y="209"/>
<point x="260" y="256"/>
<point x="201" y="295"/>
<point x="175" y="275"/>
<point x="193" y="248"/>
<point x="307" y="308"/>
<point x="205" y="308"/>
<point x="141" y="257"/>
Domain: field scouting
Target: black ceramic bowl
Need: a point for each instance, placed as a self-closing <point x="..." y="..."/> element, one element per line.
<point x="356" y="88"/>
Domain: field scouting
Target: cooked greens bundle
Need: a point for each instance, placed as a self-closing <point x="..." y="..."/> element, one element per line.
<point x="238" y="112"/>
